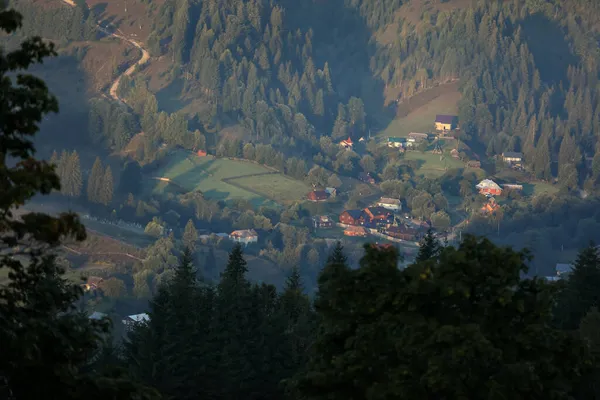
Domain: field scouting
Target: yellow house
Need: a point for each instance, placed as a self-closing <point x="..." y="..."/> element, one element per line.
<point x="445" y="122"/>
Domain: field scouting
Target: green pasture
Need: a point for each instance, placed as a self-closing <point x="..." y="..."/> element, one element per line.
<point x="276" y="187"/>
<point x="188" y="172"/>
<point x="433" y="165"/>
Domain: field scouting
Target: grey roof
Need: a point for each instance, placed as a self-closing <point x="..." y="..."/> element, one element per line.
<point x="446" y="119"/>
<point x="512" y="154"/>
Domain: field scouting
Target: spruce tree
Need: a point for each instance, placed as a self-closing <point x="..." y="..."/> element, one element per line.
<point x="580" y="293"/>
<point x="337" y="255"/>
<point x="106" y="190"/>
<point x="95" y="181"/>
<point x="233" y="323"/>
<point x="190" y="236"/>
<point x="61" y="171"/>
<point x="429" y="247"/>
<point x="74" y="172"/>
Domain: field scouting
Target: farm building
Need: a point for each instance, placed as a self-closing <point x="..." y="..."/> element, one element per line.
<point x="322" y="221"/>
<point x="445" y="122"/>
<point x="474" y="164"/>
<point x="418" y="137"/>
<point x="396" y="142"/>
<point x="512" y="186"/>
<point x="402" y="232"/>
<point x="201" y="153"/>
<point x="378" y="216"/>
<point x="487" y="186"/>
<point x="317" y="195"/>
<point x="512" y="157"/>
<point x="390" y="204"/>
<point x="131" y="320"/>
<point x="245" y="236"/>
<point x="356" y="231"/>
<point x="347" y="143"/>
<point x="366" y="178"/>
<point x="454" y="153"/>
<point x="352" y="217"/>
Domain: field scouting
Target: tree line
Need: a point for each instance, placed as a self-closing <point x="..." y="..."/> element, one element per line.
<point x="99" y="182"/>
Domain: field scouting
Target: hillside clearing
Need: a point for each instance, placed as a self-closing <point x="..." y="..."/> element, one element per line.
<point x="207" y="174"/>
<point x="420" y="111"/>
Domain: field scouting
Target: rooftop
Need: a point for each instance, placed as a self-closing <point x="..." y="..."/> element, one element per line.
<point x="487" y="184"/>
<point x="389" y="200"/>
<point x="356" y="214"/>
<point x="445" y="119"/>
<point x="244" y="233"/>
<point x="512" y="154"/>
<point x="139" y="317"/>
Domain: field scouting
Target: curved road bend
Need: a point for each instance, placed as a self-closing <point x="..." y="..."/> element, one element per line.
<point x="114" y="88"/>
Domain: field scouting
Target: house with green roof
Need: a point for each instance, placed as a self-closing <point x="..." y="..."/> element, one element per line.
<point x="396" y="142"/>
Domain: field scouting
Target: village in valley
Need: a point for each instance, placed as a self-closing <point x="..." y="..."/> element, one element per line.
<point x="389" y="219"/>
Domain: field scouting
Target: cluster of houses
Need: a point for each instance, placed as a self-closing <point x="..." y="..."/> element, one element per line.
<point x="379" y="218"/>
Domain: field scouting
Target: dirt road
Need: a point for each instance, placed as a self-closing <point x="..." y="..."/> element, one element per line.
<point x="114" y="88"/>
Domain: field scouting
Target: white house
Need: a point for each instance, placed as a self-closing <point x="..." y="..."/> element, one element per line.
<point x="131" y="320"/>
<point x="390" y="204"/>
<point x="245" y="236"/>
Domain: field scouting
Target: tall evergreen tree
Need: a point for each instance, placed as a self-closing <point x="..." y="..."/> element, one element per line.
<point x="94" y="181"/>
<point x="337" y="255"/>
<point x="190" y="236"/>
<point x="581" y="290"/>
<point x="429" y="247"/>
<point x="73" y="171"/>
<point x="61" y="171"/>
<point x="234" y="325"/>
<point x="106" y="190"/>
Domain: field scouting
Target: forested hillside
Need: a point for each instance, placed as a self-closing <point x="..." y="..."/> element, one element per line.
<point x="291" y="73"/>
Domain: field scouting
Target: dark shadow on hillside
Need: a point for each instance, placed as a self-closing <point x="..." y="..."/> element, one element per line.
<point x="66" y="81"/>
<point x="169" y="98"/>
<point x="551" y="51"/>
<point x="346" y="45"/>
<point x="99" y="10"/>
<point x="554" y="234"/>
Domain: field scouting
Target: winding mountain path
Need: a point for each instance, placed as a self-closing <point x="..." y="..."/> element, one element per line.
<point x="114" y="87"/>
